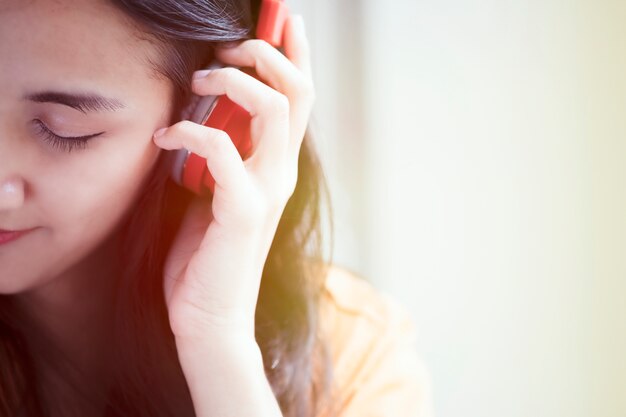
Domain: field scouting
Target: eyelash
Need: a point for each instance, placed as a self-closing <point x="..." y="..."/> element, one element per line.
<point x="65" y="143"/>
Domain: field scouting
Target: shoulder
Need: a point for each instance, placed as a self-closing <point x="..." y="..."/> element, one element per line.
<point x="372" y="342"/>
<point x="350" y="299"/>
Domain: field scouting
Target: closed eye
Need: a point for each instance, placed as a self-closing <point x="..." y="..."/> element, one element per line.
<point x="65" y="143"/>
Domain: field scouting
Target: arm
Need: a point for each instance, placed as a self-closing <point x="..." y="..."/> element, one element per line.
<point x="213" y="271"/>
<point x="226" y="378"/>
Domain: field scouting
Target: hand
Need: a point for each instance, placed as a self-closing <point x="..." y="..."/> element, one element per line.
<point x="213" y="272"/>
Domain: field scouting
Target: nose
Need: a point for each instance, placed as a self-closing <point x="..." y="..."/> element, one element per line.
<point x="11" y="193"/>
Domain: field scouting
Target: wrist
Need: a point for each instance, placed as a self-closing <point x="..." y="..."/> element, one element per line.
<point x="206" y="327"/>
<point x="227" y="373"/>
<point x="239" y="349"/>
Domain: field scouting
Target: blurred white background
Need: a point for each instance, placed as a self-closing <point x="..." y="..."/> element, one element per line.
<point x="476" y="154"/>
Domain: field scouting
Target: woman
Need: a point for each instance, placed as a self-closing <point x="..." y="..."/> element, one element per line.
<point x="123" y="294"/>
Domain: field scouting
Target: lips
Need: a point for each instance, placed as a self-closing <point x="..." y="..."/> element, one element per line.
<point x="7" y="236"/>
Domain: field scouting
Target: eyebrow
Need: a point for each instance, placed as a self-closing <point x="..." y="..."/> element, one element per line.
<point x="82" y="102"/>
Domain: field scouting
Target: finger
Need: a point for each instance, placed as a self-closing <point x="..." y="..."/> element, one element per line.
<point x="223" y="159"/>
<point x="281" y="74"/>
<point x="270" y="111"/>
<point x="297" y="44"/>
<point x="272" y="67"/>
<point x="298" y="51"/>
<point x="275" y="69"/>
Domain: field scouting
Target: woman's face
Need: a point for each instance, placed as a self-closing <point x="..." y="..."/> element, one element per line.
<point x="72" y="68"/>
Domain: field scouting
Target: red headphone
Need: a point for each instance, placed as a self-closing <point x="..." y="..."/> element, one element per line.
<point x="219" y="112"/>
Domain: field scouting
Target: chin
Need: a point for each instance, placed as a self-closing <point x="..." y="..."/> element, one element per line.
<point x="17" y="282"/>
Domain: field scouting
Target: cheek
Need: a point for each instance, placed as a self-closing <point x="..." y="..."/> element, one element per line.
<point x="80" y="199"/>
<point x="94" y="191"/>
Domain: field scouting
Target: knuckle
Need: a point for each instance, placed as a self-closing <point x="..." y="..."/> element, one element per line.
<point x="305" y="89"/>
<point x="221" y="138"/>
<point x="217" y="143"/>
<point x="278" y="105"/>
<point x="228" y="75"/>
<point x="255" y="44"/>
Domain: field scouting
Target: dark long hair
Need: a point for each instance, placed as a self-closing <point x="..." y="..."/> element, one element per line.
<point x="147" y="379"/>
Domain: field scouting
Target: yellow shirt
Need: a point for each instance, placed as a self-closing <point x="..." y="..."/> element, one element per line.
<point x="377" y="370"/>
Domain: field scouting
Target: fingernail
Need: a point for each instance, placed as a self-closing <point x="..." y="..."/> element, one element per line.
<point x="200" y="74"/>
<point x="160" y="132"/>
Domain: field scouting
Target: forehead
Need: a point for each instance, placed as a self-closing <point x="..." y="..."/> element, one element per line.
<point x="73" y="44"/>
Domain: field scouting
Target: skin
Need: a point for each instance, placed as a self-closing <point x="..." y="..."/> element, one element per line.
<point x="73" y="199"/>
<point x="76" y="199"/>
